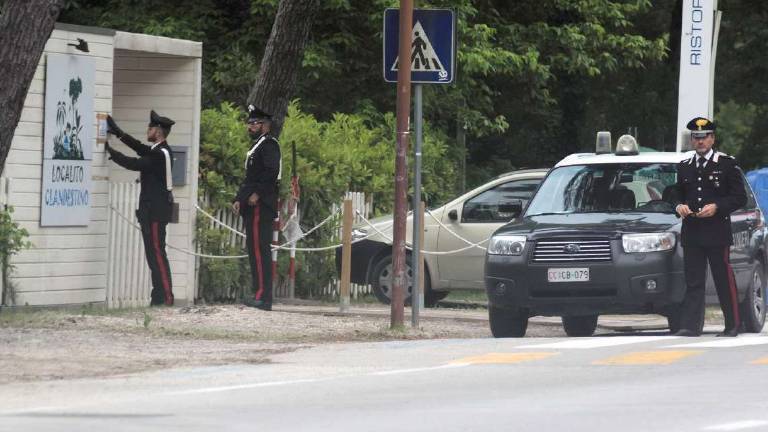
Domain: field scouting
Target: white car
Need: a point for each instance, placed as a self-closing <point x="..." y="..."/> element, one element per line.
<point x="473" y="217"/>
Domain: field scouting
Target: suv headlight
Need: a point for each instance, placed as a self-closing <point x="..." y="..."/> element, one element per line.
<point x="506" y="245"/>
<point x="652" y="242"/>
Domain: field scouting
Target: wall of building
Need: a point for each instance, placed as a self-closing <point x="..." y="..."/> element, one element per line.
<point x="134" y="73"/>
<point x="67" y="264"/>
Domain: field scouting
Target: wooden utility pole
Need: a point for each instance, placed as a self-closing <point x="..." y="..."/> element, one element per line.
<point x="399" y="277"/>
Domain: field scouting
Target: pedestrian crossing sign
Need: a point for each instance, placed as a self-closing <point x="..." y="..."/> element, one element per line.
<point x="433" y="46"/>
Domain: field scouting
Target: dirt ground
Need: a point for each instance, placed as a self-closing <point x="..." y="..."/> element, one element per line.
<point x="58" y="344"/>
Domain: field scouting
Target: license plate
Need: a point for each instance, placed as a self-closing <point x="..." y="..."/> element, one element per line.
<point x="568" y="275"/>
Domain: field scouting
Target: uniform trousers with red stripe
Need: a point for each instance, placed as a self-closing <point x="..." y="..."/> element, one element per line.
<point x="695" y="260"/>
<point x="258" y="236"/>
<point x="153" y="233"/>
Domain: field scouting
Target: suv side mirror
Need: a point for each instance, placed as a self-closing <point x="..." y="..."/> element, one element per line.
<point x="453" y="215"/>
<point x="512" y="208"/>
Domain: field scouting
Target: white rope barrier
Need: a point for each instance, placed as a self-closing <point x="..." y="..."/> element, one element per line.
<point x="184" y="251"/>
<point x="221" y="223"/>
<point x="427" y="252"/>
<point x="477" y="245"/>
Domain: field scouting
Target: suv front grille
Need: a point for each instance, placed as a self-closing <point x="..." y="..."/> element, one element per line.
<point x="572" y="250"/>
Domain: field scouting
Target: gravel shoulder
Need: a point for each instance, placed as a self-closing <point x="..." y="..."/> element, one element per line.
<point x="62" y="344"/>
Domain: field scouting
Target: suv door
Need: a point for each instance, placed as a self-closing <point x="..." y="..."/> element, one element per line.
<point x="478" y="217"/>
<point x="744" y="222"/>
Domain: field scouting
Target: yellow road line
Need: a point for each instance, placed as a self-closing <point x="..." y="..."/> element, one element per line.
<point x="647" y="358"/>
<point x="504" y="358"/>
<point x="762" y="361"/>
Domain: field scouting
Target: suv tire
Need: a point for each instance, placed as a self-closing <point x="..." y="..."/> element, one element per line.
<point x="580" y="326"/>
<point x="507" y="323"/>
<point x="753" y="306"/>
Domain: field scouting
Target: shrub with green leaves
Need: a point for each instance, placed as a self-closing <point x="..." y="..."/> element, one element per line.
<point x="13" y="239"/>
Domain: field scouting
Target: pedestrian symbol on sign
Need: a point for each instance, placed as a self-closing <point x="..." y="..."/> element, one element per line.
<point x="423" y="55"/>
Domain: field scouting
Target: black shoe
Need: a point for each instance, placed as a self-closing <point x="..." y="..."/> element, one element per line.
<point x="685" y="332"/>
<point x="258" y="304"/>
<point x="729" y="333"/>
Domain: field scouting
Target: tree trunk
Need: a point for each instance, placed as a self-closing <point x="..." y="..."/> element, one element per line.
<point x="276" y="80"/>
<point x="25" y="26"/>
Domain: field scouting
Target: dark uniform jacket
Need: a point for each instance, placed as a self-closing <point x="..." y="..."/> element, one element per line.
<point x="154" y="163"/>
<point x="262" y="167"/>
<point x="719" y="182"/>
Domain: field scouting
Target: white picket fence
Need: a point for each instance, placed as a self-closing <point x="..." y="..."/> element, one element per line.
<point x="128" y="278"/>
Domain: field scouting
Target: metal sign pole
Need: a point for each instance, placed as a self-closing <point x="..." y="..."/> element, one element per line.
<point x="417" y="294"/>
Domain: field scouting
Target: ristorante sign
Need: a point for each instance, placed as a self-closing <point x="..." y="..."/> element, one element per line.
<point x="696" y="69"/>
<point x="68" y="141"/>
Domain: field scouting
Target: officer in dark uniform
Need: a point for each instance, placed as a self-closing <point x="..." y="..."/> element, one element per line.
<point x="256" y="202"/>
<point x="156" y="198"/>
<point x="710" y="188"/>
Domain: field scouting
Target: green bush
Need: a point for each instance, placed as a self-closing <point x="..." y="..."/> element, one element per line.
<point x="12" y="241"/>
<point x="350" y="152"/>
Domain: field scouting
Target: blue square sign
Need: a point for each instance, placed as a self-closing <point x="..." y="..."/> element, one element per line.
<point x="433" y="46"/>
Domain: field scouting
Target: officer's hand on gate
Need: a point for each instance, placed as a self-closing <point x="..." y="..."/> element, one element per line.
<point x="709" y="210"/>
<point x="253" y="199"/>
<point x="112" y="127"/>
<point x="236" y="207"/>
<point x="683" y="210"/>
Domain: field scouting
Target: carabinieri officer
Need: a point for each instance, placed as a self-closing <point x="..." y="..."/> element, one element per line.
<point x="710" y="187"/>
<point x="256" y="202"/>
<point x="156" y="197"/>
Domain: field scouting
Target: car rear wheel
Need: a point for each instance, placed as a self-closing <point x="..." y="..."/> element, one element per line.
<point x="381" y="281"/>
<point x="507" y="323"/>
<point x="753" y="306"/>
<point x="580" y="326"/>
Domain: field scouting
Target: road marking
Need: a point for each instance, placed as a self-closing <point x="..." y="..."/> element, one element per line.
<point x="647" y="358"/>
<point x="762" y="361"/>
<point x="425" y="369"/>
<point x="727" y="342"/>
<point x="308" y="380"/>
<point x="746" y="424"/>
<point x="503" y="358"/>
<point x="599" y="342"/>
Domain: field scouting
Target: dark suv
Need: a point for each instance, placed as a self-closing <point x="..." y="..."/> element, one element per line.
<point x="601" y="236"/>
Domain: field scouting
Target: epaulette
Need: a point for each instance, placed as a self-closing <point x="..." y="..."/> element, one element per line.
<point x="721" y="154"/>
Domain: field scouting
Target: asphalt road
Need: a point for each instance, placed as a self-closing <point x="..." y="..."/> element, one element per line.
<point x="628" y="382"/>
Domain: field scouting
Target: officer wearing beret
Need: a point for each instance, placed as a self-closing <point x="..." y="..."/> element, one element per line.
<point x="256" y="202"/>
<point x="156" y="197"/>
<point x="710" y="187"/>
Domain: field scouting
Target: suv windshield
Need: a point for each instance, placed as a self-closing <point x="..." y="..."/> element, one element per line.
<point x="607" y="188"/>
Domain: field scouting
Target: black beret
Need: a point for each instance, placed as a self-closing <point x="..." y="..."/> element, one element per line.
<point x="255" y="114"/>
<point x="701" y="124"/>
<point x="156" y="120"/>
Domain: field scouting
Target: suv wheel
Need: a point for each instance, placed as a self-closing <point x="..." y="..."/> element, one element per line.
<point x="753" y="306"/>
<point x="580" y="325"/>
<point x="381" y="281"/>
<point x="507" y="323"/>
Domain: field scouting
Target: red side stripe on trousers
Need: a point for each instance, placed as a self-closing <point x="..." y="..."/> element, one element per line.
<point x="257" y="250"/>
<point x="160" y="262"/>
<point x="732" y="288"/>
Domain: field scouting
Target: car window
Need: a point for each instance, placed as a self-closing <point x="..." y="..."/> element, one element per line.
<point x="751" y="201"/>
<point x="607" y="188"/>
<point x="484" y="207"/>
